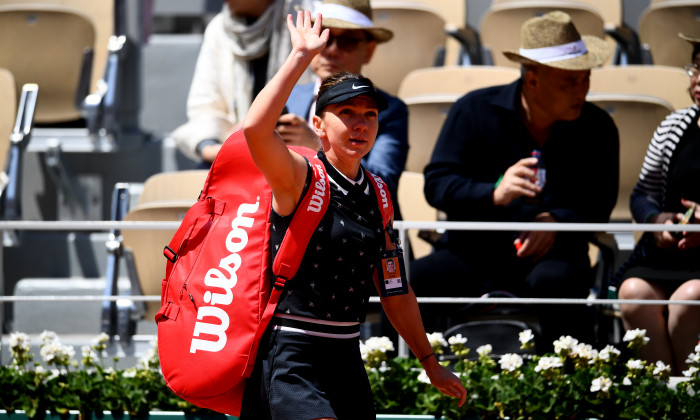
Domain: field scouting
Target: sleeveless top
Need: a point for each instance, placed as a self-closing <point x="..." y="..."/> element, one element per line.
<point x="334" y="279"/>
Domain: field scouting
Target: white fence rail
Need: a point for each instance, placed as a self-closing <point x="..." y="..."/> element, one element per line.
<point x="401" y="226"/>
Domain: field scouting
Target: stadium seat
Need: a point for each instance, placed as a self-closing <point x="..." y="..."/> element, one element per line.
<point x="659" y="27"/>
<point x="429" y="94"/>
<point x="418" y="42"/>
<point x="32" y="51"/>
<point x="636" y="117"/>
<point x="8" y="111"/>
<point x="644" y="80"/>
<point x="500" y="27"/>
<point x="414" y="207"/>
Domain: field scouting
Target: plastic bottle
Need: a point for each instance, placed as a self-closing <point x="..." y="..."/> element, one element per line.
<point x="540" y="171"/>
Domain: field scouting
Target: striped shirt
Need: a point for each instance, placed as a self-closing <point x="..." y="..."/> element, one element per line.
<point x="649" y="195"/>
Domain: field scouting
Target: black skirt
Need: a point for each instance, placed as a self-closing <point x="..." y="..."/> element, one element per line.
<point x="298" y="376"/>
<point x="667" y="267"/>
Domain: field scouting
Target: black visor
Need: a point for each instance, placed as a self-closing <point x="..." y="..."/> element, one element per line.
<point x="348" y="89"/>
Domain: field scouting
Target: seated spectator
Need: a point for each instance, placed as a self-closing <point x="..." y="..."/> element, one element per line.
<point x="352" y="43"/>
<point x="243" y="47"/>
<point x="482" y="170"/>
<point x="666" y="264"/>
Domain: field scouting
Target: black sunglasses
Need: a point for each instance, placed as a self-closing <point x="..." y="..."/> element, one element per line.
<point x="345" y="43"/>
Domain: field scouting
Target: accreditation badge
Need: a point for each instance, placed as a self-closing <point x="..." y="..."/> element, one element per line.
<point x="392" y="274"/>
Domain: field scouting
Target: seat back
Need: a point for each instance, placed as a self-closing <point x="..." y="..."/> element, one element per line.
<point x="502" y="334"/>
<point x="659" y="27"/>
<point x="500" y="27"/>
<point x="177" y="185"/>
<point x="165" y="197"/>
<point x="429" y="94"/>
<point x="636" y="118"/>
<point x="454" y="13"/>
<point x="100" y="12"/>
<point x="414" y="207"/>
<point x="419" y="35"/>
<point x="44" y="44"/>
<point x="610" y="10"/>
<point x="644" y="80"/>
<point x="8" y="112"/>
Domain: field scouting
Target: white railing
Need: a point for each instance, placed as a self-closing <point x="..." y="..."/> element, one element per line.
<point x="401" y="226"/>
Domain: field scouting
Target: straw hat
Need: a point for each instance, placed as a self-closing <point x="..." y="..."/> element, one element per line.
<point x="352" y="14"/>
<point x="691" y="39"/>
<point x="553" y="40"/>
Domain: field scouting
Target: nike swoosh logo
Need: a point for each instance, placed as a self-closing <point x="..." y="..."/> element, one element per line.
<point x="359" y="87"/>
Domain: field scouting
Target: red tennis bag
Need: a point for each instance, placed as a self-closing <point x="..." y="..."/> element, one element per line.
<point x="218" y="295"/>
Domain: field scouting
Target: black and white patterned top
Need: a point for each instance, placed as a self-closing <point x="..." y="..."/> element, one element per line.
<point x="650" y="195"/>
<point x="334" y="280"/>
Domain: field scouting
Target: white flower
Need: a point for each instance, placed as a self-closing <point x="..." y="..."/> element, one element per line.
<point x="101" y="339"/>
<point x="546" y="363"/>
<point x="607" y="353"/>
<point x="363" y="351"/>
<point x="457" y="339"/>
<point x="601" y="384"/>
<point x="627" y="381"/>
<point x="48" y="337"/>
<point x="690" y="372"/>
<point x="584" y="351"/>
<point x="382" y="344"/>
<point x="693" y="358"/>
<point x="436" y="340"/>
<point x="661" y="368"/>
<point x="129" y="373"/>
<point x="510" y="362"/>
<point x="636" y="333"/>
<point x="19" y="340"/>
<point x="525" y="336"/>
<point x="635" y="364"/>
<point x="565" y="343"/>
<point x="423" y="377"/>
<point x="484" y="350"/>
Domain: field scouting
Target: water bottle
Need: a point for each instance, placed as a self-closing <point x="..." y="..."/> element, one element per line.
<point x="540" y="171"/>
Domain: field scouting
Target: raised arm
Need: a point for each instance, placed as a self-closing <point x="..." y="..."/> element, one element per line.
<point x="284" y="170"/>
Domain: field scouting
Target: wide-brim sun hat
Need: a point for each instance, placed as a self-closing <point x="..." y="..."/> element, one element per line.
<point x="352" y="14"/>
<point x="553" y="40"/>
<point x="691" y="39"/>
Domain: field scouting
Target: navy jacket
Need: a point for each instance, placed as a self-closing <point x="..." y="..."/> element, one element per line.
<point x="484" y="134"/>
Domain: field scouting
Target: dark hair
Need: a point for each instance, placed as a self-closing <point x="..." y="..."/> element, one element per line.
<point x="696" y="50"/>
<point x="333" y="80"/>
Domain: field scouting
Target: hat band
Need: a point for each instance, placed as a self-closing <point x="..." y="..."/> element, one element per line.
<point x="344" y="13"/>
<point x="555" y="53"/>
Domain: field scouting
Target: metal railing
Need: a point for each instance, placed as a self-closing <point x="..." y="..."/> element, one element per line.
<point x="401" y="226"/>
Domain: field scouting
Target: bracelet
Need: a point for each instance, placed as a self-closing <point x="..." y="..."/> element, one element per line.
<point x="498" y="182"/>
<point x="426" y="357"/>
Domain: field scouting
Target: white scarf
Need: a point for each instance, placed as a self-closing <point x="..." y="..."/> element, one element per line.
<point x="268" y="34"/>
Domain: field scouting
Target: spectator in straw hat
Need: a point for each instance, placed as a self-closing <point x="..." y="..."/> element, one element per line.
<point x="481" y="170"/>
<point x="666" y="265"/>
<point x="352" y="43"/>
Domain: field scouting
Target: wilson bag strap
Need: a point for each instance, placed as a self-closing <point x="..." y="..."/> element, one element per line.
<point x="308" y="214"/>
<point x="386" y="206"/>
